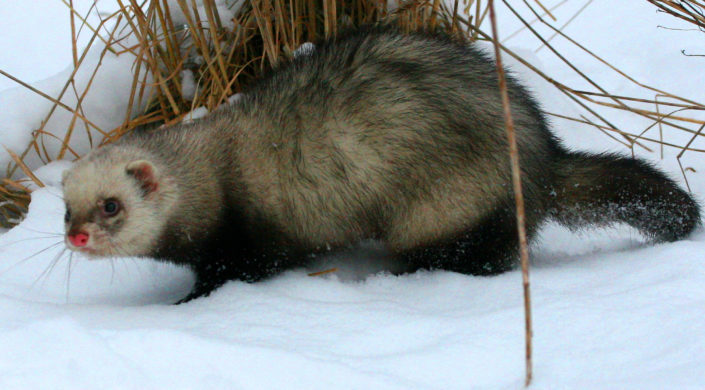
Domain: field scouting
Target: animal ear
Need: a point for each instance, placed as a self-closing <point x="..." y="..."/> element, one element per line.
<point x="146" y="174"/>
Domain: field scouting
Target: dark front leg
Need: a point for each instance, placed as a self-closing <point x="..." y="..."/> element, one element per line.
<point x="202" y="288"/>
<point x="249" y="266"/>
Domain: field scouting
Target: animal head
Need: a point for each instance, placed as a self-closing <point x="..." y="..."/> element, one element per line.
<point x="117" y="203"/>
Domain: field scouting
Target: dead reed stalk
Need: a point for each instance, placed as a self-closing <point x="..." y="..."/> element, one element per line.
<point x="518" y="196"/>
<point x="202" y="60"/>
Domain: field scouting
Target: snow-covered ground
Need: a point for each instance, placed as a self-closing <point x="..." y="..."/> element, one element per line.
<point x="610" y="310"/>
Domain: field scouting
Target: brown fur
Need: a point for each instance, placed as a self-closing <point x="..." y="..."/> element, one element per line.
<point x="373" y="135"/>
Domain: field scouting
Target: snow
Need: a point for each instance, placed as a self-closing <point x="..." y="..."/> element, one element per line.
<point x="104" y="104"/>
<point x="610" y="310"/>
<point x="108" y="90"/>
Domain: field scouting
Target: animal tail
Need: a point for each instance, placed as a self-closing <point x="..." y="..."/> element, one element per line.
<point x="606" y="188"/>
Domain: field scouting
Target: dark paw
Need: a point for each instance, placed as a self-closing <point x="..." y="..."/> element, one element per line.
<point x="201" y="289"/>
<point x="193" y="295"/>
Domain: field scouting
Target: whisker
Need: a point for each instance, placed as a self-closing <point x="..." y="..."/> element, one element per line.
<point x="125" y="265"/>
<point x="32" y="255"/>
<point x="138" y="265"/>
<point x="39" y="231"/>
<point x="48" y="270"/>
<point x="112" y="269"/>
<point x="68" y="277"/>
<point x="29" y="239"/>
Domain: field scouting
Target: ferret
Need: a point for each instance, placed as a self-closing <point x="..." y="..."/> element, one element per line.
<point x="374" y="134"/>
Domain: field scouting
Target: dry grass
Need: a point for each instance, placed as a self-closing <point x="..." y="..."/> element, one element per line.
<point x="265" y="32"/>
<point x="690" y="11"/>
<point x="224" y="59"/>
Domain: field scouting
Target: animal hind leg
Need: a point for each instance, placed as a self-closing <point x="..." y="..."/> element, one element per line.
<point x="489" y="247"/>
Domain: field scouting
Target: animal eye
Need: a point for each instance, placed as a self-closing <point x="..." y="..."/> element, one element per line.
<point x="111" y="207"/>
<point x="67" y="215"/>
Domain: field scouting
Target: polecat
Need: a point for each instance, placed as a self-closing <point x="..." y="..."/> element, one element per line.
<point x="372" y="135"/>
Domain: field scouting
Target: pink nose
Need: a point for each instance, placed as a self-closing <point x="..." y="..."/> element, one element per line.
<point x="79" y="239"/>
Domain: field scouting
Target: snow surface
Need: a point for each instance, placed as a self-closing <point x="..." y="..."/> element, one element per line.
<point x="108" y="90"/>
<point x="610" y="310"/>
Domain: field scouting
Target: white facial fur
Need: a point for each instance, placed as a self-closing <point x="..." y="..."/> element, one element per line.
<point x="109" y="174"/>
